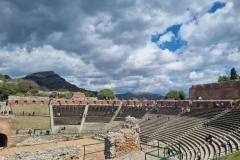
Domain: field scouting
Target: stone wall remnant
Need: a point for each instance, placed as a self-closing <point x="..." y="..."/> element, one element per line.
<point x="124" y="141"/>
<point x="216" y="91"/>
<point x="5" y="130"/>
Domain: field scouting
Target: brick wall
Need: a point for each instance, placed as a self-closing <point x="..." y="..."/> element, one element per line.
<point x="6" y="128"/>
<point x="216" y="91"/>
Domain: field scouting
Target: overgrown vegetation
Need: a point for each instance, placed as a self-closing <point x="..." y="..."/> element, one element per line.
<point x="177" y="95"/>
<point x="19" y="87"/>
<point x="106" y="93"/>
<point x="24" y="87"/>
<point x="233" y="76"/>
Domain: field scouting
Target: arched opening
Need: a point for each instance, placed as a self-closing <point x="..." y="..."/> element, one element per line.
<point x="3" y="140"/>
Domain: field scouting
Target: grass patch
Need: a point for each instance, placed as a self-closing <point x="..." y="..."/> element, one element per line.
<point x="38" y="109"/>
<point x="34" y="122"/>
<point x="234" y="156"/>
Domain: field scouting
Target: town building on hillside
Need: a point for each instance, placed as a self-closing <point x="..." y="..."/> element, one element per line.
<point x="81" y="96"/>
<point x="78" y="95"/>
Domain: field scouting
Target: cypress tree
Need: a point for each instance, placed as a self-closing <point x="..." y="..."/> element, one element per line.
<point x="233" y="74"/>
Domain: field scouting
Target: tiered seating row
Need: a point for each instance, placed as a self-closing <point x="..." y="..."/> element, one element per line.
<point x="68" y="114"/>
<point x="194" y="139"/>
<point x="68" y="110"/>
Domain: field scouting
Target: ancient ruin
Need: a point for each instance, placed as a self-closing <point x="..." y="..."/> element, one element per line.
<point x="5" y="131"/>
<point x="16" y="100"/>
<point x="61" y="153"/>
<point x="216" y="91"/>
<point x="124" y="141"/>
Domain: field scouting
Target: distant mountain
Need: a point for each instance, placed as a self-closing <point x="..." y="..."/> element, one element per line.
<point x="7" y="77"/>
<point x="52" y="81"/>
<point x="140" y="95"/>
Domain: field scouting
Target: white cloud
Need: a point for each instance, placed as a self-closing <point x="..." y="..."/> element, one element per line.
<point x="195" y="75"/>
<point x="96" y="44"/>
<point x="167" y="37"/>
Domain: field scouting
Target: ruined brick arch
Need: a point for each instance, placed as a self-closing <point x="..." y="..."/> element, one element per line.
<point x="5" y="131"/>
<point x="16" y="102"/>
<point x="3" y="140"/>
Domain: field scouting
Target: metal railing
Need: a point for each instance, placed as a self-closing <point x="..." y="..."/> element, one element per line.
<point x="106" y="149"/>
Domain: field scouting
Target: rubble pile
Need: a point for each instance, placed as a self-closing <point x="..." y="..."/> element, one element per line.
<point x="33" y="141"/>
<point x="66" y="152"/>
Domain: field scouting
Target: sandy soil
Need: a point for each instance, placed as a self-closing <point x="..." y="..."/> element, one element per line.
<point x="81" y="142"/>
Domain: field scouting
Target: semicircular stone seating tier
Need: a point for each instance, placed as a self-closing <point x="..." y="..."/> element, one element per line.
<point x="189" y="129"/>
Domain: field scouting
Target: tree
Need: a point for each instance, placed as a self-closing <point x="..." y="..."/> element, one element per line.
<point x="233" y="74"/>
<point x="41" y="94"/>
<point x="2" y="77"/>
<point x="174" y="94"/>
<point x="25" y="86"/>
<point x="88" y="94"/>
<point x="32" y="92"/>
<point x="7" y="89"/>
<point x="223" y="78"/>
<point x="182" y="95"/>
<point x="68" y="94"/>
<point x="106" y="94"/>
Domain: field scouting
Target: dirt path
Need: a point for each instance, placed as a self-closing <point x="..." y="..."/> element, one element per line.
<point x="81" y="142"/>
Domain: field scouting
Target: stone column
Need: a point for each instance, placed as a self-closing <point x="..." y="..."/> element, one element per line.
<point x="83" y="118"/>
<point x="51" y="117"/>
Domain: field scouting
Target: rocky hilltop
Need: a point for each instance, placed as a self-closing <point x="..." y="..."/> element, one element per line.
<point x="51" y="80"/>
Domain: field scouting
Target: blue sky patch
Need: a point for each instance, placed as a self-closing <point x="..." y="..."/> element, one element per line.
<point x="173" y="79"/>
<point x="197" y="70"/>
<point x="216" y="6"/>
<point x="176" y="41"/>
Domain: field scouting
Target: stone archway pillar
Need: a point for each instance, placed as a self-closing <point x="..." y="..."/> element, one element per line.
<point x="6" y="129"/>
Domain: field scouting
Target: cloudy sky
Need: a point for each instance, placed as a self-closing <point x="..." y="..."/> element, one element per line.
<point x="126" y="45"/>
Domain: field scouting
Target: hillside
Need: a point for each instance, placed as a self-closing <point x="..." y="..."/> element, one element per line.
<point x="140" y="95"/>
<point x="51" y="80"/>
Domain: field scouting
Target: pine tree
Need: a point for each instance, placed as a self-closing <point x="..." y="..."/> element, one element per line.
<point x="233" y="74"/>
